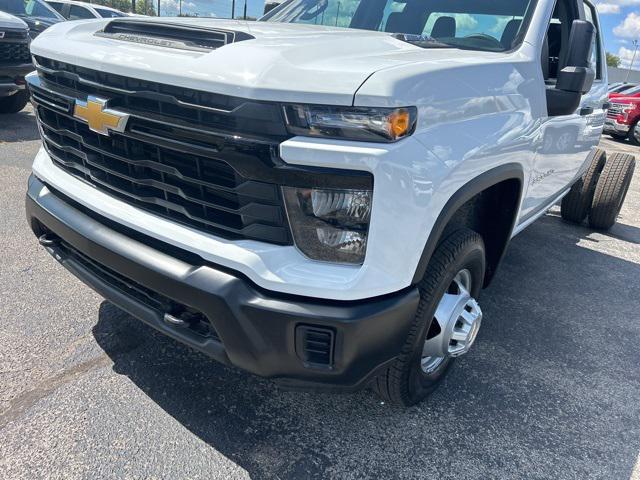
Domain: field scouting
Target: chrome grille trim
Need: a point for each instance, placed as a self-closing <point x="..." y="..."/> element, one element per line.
<point x="616" y="109"/>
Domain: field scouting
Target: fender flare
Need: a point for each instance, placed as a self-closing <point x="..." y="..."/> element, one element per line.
<point x="508" y="171"/>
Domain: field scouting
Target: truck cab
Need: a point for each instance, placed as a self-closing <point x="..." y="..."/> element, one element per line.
<point x="318" y="197"/>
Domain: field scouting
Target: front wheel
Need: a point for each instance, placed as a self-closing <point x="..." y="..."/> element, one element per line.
<point x="446" y="324"/>
<point x="14" y="103"/>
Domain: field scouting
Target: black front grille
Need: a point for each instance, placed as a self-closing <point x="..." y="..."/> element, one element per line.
<point x="14" y="52"/>
<point x="175" y="158"/>
<point x="16" y="35"/>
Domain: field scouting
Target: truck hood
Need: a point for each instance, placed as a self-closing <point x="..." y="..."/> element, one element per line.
<point x="9" y="21"/>
<point x="282" y="62"/>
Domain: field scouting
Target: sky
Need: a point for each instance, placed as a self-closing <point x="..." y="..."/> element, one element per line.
<point x="211" y="8"/>
<point x="620" y="19"/>
<point x="620" y="23"/>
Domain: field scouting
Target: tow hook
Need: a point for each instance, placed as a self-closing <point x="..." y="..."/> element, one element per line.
<point x="175" y="321"/>
<point x="48" y="239"/>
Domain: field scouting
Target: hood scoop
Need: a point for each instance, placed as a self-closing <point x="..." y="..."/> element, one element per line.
<point x="170" y="35"/>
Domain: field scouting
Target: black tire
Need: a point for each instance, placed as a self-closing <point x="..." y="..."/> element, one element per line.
<point x="618" y="136"/>
<point x="634" y="134"/>
<point x="611" y="190"/>
<point x="403" y="382"/>
<point x="14" y="103"/>
<point x="577" y="203"/>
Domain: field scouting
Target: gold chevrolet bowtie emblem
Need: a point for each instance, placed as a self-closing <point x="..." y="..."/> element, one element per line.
<point x="99" y="118"/>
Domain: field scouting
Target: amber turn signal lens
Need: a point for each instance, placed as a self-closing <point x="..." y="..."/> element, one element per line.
<point x="399" y="123"/>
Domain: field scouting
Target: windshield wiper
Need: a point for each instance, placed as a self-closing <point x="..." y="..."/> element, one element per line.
<point x="424" y="41"/>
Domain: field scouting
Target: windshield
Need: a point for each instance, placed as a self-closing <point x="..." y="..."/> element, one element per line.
<point x="494" y="25"/>
<point x="29" y="8"/>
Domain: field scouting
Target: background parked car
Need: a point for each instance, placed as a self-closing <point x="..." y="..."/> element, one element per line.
<point x="631" y="92"/>
<point x="80" y="10"/>
<point x="35" y="13"/>
<point x="623" y="116"/>
<point x="622" y="88"/>
<point x="15" y="63"/>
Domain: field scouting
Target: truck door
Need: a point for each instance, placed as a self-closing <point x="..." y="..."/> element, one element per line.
<point x="565" y="141"/>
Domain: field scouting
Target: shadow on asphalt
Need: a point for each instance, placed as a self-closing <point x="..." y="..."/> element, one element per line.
<point x="19" y="127"/>
<point x="548" y="383"/>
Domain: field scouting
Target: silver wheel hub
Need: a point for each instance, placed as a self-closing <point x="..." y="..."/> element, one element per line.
<point x="458" y="317"/>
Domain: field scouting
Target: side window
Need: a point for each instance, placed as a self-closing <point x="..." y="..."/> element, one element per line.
<point x="79" y="13"/>
<point x="333" y="13"/>
<point x="596" y="53"/>
<point x="556" y="44"/>
<point x="392" y="17"/>
<point x="56" y="6"/>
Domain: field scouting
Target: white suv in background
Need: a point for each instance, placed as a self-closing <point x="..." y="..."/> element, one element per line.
<point x="80" y="10"/>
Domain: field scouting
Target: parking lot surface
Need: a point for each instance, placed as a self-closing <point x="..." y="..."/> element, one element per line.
<point x="550" y="390"/>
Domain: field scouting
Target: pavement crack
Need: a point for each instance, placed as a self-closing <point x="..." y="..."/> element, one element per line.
<point x="19" y="405"/>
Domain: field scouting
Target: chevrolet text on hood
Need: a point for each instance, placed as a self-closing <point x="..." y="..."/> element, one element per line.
<point x="320" y="196"/>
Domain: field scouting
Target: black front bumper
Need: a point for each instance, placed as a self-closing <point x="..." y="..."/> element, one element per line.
<point x="255" y="330"/>
<point x="12" y="73"/>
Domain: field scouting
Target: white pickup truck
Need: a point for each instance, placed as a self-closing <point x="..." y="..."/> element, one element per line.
<point x="320" y="196"/>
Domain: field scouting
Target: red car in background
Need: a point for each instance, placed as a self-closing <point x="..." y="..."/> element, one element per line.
<point x="623" y="116"/>
<point x="632" y="92"/>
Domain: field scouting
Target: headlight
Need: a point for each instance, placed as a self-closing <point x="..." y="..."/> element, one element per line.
<point x="330" y="225"/>
<point x="352" y="123"/>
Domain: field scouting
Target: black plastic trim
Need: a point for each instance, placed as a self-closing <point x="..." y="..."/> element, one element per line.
<point x="482" y="182"/>
<point x="171" y="34"/>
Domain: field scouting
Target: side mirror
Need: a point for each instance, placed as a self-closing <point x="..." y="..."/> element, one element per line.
<point x="577" y="77"/>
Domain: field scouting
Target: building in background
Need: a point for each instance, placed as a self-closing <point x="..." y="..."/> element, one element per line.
<point x="620" y="75"/>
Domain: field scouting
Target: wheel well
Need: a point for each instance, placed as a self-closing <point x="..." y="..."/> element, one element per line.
<point x="491" y="213"/>
<point x="489" y="205"/>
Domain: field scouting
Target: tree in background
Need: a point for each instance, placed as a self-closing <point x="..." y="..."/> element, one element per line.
<point x="613" y="60"/>
<point x="143" y="7"/>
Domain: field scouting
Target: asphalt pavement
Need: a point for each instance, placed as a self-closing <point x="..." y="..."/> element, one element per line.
<point x="550" y="390"/>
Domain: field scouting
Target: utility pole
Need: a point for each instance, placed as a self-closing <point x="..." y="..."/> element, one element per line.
<point x="158" y="7"/>
<point x="133" y="6"/>
<point x="180" y="8"/>
<point x="633" y="59"/>
<point x="233" y="8"/>
<point x="245" y="10"/>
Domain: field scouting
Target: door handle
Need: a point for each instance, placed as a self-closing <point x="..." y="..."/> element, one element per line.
<point x="586" y="111"/>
